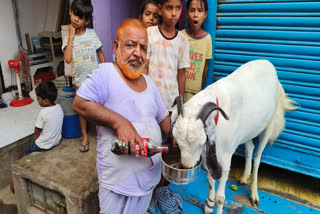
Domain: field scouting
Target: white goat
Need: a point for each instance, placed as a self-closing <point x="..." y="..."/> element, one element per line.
<point x="255" y="101"/>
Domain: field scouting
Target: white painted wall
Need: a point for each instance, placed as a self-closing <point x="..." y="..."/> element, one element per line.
<point x="8" y="39"/>
<point x="32" y="16"/>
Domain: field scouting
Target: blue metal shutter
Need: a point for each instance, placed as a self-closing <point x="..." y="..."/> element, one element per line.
<point x="287" y="33"/>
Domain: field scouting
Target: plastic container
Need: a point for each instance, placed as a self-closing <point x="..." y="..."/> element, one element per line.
<point x="71" y="123"/>
<point x="65" y="99"/>
<point x="71" y="126"/>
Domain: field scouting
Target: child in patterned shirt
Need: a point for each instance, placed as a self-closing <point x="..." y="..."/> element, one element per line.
<point x="82" y="46"/>
<point x="168" y="53"/>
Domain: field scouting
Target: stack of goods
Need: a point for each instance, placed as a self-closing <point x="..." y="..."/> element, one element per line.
<point x="60" y="82"/>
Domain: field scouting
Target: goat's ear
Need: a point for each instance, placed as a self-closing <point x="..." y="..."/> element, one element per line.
<point x="206" y="110"/>
<point x="212" y="162"/>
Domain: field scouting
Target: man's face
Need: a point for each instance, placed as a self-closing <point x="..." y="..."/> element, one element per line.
<point x="131" y="51"/>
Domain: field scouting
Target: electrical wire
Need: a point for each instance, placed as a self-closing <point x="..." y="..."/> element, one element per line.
<point x="21" y="56"/>
<point x="17" y="20"/>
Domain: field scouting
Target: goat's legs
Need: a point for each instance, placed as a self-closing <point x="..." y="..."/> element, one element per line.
<point x="211" y="197"/>
<point x="220" y="195"/>
<point x="248" y="165"/>
<point x="263" y="140"/>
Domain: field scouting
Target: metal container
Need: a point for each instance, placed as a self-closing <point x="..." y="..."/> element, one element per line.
<point x="172" y="169"/>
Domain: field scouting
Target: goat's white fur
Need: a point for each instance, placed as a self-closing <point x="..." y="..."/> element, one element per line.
<point x="255" y="102"/>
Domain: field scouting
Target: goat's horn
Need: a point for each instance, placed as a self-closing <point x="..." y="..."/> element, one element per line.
<point x="206" y="110"/>
<point x="179" y="102"/>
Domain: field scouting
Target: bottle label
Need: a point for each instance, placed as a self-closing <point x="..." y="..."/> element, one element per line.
<point x="145" y="148"/>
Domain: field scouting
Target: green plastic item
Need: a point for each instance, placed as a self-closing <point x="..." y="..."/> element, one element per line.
<point x="233" y="187"/>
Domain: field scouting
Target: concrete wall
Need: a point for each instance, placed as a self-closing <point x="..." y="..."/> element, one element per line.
<point x="10" y="154"/>
<point x="8" y="39"/>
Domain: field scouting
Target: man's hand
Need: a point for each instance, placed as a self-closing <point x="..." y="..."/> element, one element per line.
<point x="103" y="116"/>
<point x="128" y="136"/>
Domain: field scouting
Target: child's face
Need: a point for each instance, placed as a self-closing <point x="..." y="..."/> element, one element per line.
<point x="196" y="14"/>
<point x="171" y="11"/>
<point x="150" y="16"/>
<point x="76" y="22"/>
<point x="43" y="102"/>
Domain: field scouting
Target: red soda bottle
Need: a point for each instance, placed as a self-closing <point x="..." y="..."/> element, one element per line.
<point x="148" y="149"/>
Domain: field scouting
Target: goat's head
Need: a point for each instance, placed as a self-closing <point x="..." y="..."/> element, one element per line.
<point x="190" y="137"/>
<point x="191" y="134"/>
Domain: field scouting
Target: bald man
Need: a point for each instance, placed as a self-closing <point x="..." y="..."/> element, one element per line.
<point x="126" y="105"/>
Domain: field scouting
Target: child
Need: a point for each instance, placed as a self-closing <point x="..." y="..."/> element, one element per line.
<point x="200" y="47"/>
<point x="49" y="123"/>
<point x="82" y="46"/>
<point x="149" y="13"/>
<point x="168" y="53"/>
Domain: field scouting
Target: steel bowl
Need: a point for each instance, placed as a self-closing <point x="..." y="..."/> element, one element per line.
<point x="172" y="169"/>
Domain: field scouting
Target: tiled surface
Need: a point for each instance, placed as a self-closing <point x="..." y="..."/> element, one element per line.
<point x="17" y="123"/>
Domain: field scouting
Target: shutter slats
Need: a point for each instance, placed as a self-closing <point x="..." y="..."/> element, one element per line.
<point x="273" y="14"/>
<point x="286" y="7"/>
<point x="287" y="33"/>
<point x="277" y="36"/>
<point x="283" y="62"/>
<point x="284" y="51"/>
<point x="270" y="21"/>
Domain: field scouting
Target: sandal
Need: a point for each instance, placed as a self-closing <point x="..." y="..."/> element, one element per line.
<point x="84" y="147"/>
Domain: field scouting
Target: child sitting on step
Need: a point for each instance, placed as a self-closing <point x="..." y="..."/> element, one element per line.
<point x="49" y="122"/>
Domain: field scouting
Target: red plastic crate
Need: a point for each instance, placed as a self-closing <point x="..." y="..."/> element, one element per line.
<point x="44" y="77"/>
